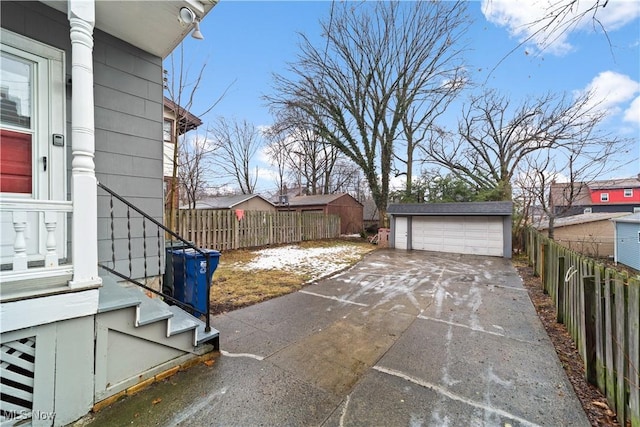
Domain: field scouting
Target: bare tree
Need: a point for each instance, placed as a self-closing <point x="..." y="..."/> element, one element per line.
<point x="236" y="143"/>
<point x="277" y="152"/>
<point x="181" y="87"/>
<point x="381" y="62"/>
<point x="494" y="137"/>
<point x="194" y="164"/>
<point x="562" y="16"/>
<point x="557" y="19"/>
<point x="555" y="180"/>
<point x="311" y="162"/>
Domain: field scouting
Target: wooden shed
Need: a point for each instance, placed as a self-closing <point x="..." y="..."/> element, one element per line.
<point x="344" y="205"/>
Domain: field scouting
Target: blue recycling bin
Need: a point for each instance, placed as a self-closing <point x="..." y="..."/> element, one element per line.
<point x="190" y="276"/>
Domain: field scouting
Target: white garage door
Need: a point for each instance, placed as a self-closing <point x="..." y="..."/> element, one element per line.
<point x="479" y="235"/>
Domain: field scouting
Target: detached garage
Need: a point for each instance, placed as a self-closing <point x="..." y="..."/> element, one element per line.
<point x="479" y="228"/>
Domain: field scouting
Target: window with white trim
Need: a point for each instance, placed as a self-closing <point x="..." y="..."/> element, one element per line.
<point x="628" y="192"/>
<point x="604" y="197"/>
<point x="167" y="130"/>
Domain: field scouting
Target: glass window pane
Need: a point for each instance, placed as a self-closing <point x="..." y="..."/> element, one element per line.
<point x="15" y="91"/>
<point x="167" y="130"/>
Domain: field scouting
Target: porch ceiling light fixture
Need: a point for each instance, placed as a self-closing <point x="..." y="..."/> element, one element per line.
<point x="196" y="34"/>
<point x="187" y="15"/>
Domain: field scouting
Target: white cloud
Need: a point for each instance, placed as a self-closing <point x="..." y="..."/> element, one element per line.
<point x="397" y="182"/>
<point x="632" y="114"/>
<point x="526" y="19"/>
<point x="263" y="155"/>
<point x="612" y="92"/>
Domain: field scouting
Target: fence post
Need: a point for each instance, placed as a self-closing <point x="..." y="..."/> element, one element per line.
<point x="560" y="296"/>
<point x="546" y="261"/>
<point x="535" y="245"/>
<point x="622" y="353"/>
<point x="633" y="370"/>
<point x="590" y="329"/>
<point x="235" y="224"/>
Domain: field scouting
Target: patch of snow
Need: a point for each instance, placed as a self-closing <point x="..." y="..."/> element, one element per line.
<point x="314" y="262"/>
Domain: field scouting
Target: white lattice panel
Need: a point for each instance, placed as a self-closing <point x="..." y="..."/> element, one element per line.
<point x="17" y="362"/>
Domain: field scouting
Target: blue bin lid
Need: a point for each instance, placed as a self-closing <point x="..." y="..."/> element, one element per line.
<point x="192" y="253"/>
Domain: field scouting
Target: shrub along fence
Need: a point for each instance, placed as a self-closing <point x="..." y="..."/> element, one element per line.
<point x="223" y="230"/>
<point x="601" y="310"/>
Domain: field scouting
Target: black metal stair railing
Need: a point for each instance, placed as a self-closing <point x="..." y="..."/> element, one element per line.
<point x="184" y="249"/>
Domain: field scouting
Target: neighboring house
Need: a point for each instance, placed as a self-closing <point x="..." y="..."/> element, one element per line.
<point x="83" y="84"/>
<point x="627" y="238"/>
<point x="247" y="202"/>
<point x="590" y="234"/>
<point x="478" y="228"/>
<point x="614" y="195"/>
<point x="344" y="205"/>
<point x="187" y="122"/>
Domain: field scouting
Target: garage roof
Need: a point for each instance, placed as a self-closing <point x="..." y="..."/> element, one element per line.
<point x="464" y="208"/>
<point x="633" y="218"/>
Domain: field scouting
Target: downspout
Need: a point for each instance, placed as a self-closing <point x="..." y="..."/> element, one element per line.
<point x="84" y="191"/>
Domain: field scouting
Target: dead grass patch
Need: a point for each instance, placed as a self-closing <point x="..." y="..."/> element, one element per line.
<point x="234" y="286"/>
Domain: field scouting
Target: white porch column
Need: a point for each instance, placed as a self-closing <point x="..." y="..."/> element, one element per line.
<point x="83" y="179"/>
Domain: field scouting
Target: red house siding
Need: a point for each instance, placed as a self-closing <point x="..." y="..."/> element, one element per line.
<point x="616" y="195"/>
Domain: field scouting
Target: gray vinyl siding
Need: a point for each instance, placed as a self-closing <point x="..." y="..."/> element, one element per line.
<point x="628" y="245"/>
<point x="128" y="122"/>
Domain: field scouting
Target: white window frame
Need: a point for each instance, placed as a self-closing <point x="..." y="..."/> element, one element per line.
<point x="167" y="132"/>
<point x="588" y="210"/>
<point x="48" y="118"/>
<point x="628" y="192"/>
<point x="50" y="67"/>
<point x="604" y="197"/>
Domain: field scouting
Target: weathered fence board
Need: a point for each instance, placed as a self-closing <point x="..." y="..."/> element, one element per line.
<point x="224" y="230"/>
<point x="601" y="310"/>
<point x="634" y="351"/>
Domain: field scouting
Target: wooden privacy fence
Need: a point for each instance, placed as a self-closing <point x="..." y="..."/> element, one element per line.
<point x="223" y="230"/>
<point x="601" y="310"/>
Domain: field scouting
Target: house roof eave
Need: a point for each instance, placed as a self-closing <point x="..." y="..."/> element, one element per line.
<point x="154" y="27"/>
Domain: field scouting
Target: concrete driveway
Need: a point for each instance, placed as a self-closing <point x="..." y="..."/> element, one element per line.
<point x="401" y="339"/>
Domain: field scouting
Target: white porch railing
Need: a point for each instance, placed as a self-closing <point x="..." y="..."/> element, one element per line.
<point x="40" y="260"/>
